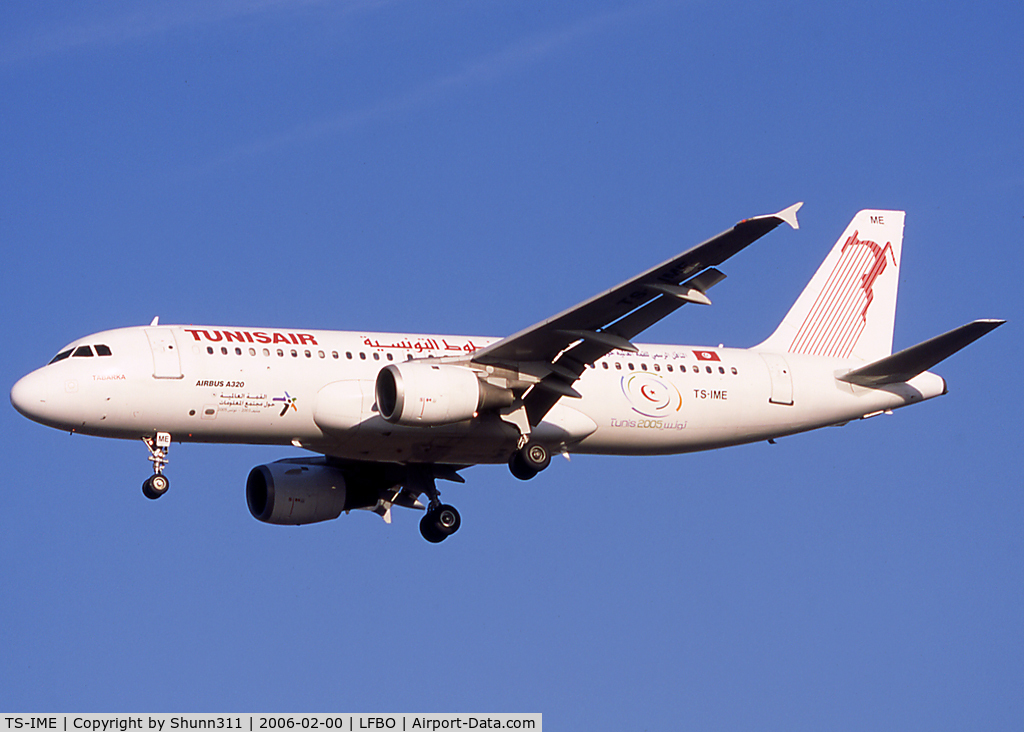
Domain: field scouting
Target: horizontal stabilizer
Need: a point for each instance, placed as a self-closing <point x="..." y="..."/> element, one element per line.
<point x="910" y="362"/>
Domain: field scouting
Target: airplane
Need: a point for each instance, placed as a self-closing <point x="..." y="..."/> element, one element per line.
<point x="389" y="414"/>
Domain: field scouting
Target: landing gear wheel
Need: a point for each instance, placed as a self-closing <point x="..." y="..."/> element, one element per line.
<point x="447" y="519"/>
<point x="155" y="486"/>
<point x="519" y="469"/>
<point x="526" y="462"/>
<point x="439" y="523"/>
<point x="430" y="533"/>
<point x="536" y="456"/>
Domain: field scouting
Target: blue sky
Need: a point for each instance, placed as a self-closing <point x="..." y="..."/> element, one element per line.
<point x="474" y="167"/>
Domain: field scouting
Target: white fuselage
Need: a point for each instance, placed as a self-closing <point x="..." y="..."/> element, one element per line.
<point x="315" y="389"/>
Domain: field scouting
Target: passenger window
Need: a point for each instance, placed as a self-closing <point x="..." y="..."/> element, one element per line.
<point x="280" y="353"/>
<point x="721" y="369"/>
<point x="266" y="351"/>
<point x="334" y="355"/>
<point x="390" y="357"/>
<point x="209" y="349"/>
<point x="252" y="351"/>
<point x="238" y="351"/>
<point x="309" y="355"/>
<point x="348" y="355"/>
<point x="82" y="351"/>
<point x="295" y="354"/>
<point x="604" y="365"/>
<point x="643" y="366"/>
<point x="102" y="350"/>
<point x="629" y="364"/>
<point x="708" y="368"/>
<point x="320" y="354"/>
<point x="376" y="357"/>
<point x="734" y="372"/>
<point x="60" y="356"/>
<point x="657" y="367"/>
<point x="224" y="350"/>
<point x="618" y="366"/>
<point x="362" y="356"/>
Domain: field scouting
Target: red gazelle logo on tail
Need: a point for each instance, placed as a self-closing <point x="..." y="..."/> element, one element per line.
<point x="840" y="312"/>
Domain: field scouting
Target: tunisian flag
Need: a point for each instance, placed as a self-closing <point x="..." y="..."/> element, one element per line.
<point x="706" y="356"/>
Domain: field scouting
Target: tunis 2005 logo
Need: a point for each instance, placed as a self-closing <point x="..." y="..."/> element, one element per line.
<point x="651" y="395"/>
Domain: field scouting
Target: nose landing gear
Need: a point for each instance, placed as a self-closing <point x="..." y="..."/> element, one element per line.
<point x="157" y="484"/>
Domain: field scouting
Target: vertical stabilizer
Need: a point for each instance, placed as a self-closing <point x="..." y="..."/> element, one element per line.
<point x="849" y="307"/>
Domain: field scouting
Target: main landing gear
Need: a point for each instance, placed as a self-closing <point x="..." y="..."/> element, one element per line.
<point x="157" y="484"/>
<point x="440" y="520"/>
<point x="529" y="460"/>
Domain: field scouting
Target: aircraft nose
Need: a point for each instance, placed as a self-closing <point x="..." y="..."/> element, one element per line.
<point x="29" y="395"/>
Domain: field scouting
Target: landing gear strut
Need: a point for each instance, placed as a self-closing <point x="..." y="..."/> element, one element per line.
<point x="440" y="520"/>
<point x="157" y="484"/>
<point x="529" y="460"/>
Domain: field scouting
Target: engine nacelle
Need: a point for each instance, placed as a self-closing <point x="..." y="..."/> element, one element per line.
<point x="426" y="394"/>
<point x="294" y="493"/>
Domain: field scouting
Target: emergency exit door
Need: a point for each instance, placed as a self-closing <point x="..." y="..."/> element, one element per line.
<point x="782" y="379"/>
<point x="166" y="361"/>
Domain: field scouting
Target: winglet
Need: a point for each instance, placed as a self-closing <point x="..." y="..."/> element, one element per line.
<point x="789" y="215"/>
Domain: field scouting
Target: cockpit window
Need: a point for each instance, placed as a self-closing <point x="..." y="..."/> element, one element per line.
<point x="82" y="352"/>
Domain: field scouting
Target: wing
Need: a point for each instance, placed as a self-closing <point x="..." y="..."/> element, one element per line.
<point x="557" y="350"/>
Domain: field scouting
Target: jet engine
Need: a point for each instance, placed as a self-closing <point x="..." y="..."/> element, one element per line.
<point x="294" y="492"/>
<point x="426" y="394"/>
